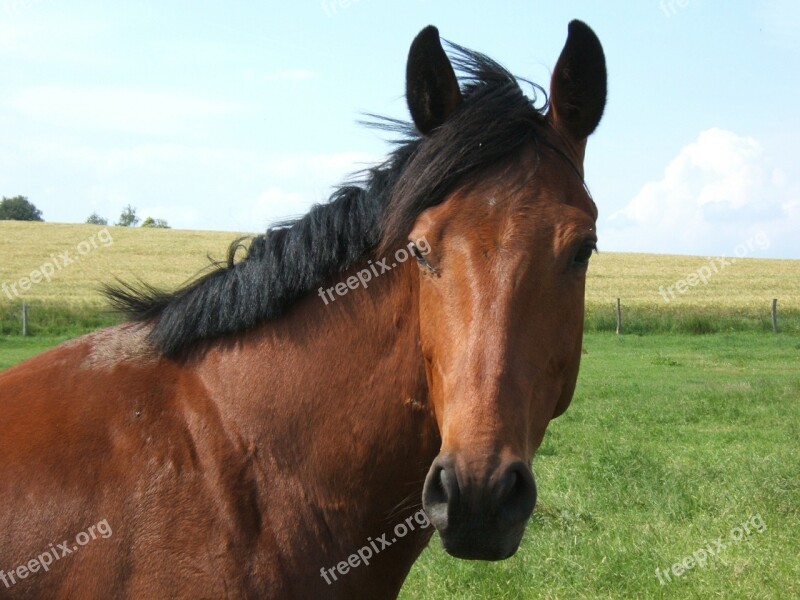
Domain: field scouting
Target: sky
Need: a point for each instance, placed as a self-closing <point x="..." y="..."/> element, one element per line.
<point x="232" y="116"/>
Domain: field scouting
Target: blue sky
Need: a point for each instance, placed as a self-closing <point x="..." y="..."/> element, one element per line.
<point x="231" y="116"/>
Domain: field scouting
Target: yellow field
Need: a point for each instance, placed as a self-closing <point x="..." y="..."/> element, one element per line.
<point x="167" y="258"/>
<point x="163" y="257"/>
<point x="640" y="279"/>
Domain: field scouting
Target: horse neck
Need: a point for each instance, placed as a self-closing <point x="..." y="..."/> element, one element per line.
<point x="333" y="398"/>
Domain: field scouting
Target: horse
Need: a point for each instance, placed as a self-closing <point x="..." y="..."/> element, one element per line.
<point x="296" y="421"/>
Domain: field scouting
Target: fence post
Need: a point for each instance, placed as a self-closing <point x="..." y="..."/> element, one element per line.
<point x="619" y="317"/>
<point x="24" y="319"/>
<point x="775" y="315"/>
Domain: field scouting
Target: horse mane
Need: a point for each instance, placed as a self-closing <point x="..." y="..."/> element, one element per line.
<point x="376" y="210"/>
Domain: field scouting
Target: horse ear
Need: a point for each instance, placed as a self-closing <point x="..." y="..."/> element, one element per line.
<point x="432" y="90"/>
<point x="578" y="86"/>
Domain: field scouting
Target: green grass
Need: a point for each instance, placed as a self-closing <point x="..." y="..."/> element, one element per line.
<point x="698" y="320"/>
<point x="55" y="319"/>
<point x="14" y="349"/>
<point x="670" y="443"/>
<point x="59" y="318"/>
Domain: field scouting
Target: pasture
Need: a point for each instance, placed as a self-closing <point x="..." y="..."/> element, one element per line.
<point x="673" y="439"/>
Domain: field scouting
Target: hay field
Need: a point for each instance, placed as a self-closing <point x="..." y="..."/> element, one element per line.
<point x="162" y="257"/>
<point x="169" y="257"/>
<point x="743" y="284"/>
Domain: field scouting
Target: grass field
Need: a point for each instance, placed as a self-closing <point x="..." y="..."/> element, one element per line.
<point x="70" y="302"/>
<point x="164" y="257"/>
<point x="672" y="441"/>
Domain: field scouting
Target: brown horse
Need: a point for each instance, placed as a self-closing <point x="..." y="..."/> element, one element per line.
<point x="269" y="430"/>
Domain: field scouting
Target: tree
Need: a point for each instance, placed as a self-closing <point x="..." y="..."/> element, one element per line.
<point x="19" y="209"/>
<point x="155" y="223"/>
<point x="95" y="219"/>
<point x="128" y="217"/>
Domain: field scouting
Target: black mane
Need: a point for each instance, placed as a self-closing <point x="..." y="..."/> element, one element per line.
<point x="495" y="120"/>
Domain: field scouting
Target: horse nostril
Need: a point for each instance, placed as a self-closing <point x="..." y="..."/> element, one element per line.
<point x="515" y="493"/>
<point x="505" y="486"/>
<point x="440" y="494"/>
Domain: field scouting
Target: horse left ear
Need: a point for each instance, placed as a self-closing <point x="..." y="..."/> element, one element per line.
<point x="432" y="90"/>
<point x="578" y="85"/>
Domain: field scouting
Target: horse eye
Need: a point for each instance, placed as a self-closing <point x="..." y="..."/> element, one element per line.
<point x="421" y="258"/>
<point x="581" y="259"/>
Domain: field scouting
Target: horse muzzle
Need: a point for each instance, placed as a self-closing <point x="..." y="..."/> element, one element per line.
<point x="479" y="518"/>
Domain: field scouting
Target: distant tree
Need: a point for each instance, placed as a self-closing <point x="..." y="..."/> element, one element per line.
<point x="155" y="223"/>
<point x="128" y="217"/>
<point x="95" y="219"/>
<point x="19" y="209"/>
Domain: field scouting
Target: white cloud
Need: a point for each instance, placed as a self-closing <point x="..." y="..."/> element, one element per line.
<point x="192" y="187"/>
<point x="718" y="190"/>
<point x="147" y="160"/>
<point x="118" y="109"/>
<point x="41" y="39"/>
<point x="274" y="204"/>
<point x="332" y="166"/>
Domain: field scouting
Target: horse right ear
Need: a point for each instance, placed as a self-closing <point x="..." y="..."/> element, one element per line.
<point x="432" y="90"/>
<point x="578" y="86"/>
